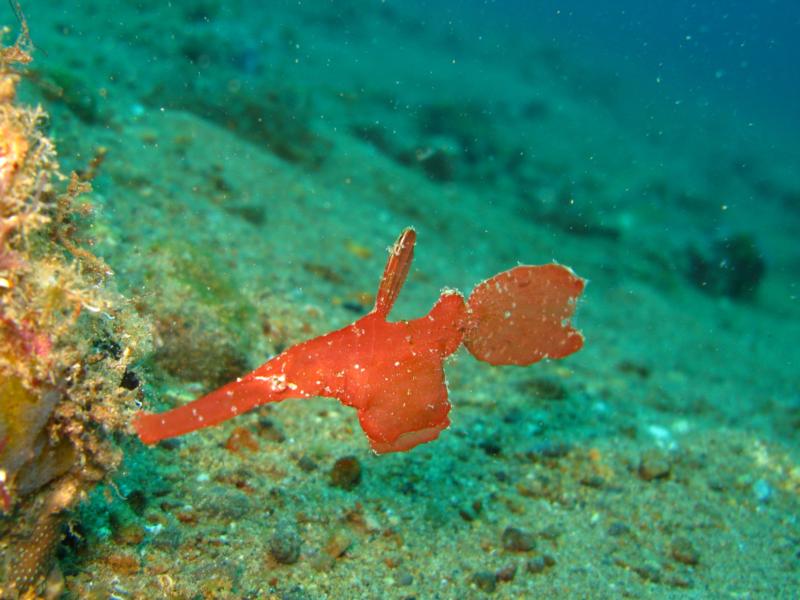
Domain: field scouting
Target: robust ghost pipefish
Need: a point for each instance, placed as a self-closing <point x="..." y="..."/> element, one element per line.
<point x="392" y="373"/>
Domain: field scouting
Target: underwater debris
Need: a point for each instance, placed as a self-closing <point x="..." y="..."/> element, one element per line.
<point x="392" y="372"/>
<point x="58" y="401"/>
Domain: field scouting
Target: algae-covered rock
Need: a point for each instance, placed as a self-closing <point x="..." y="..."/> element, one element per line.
<point x="60" y="398"/>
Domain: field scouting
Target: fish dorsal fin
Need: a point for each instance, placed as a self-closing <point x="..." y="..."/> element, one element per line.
<point x="396" y="271"/>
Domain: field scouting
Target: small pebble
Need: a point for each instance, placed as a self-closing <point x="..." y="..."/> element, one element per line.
<point x="679" y="581"/>
<point x="593" y="481"/>
<point x="131" y="534"/>
<point x="491" y="447"/>
<point x="171" y="444"/>
<point x="506" y="573"/>
<point x="763" y="490"/>
<point x="544" y="388"/>
<point x="634" y="368"/>
<point x="241" y="439"/>
<point x="346" y="473"/>
<point x="228" y="503"/>
<point x="130" y="380"/>
<point x="337" y="544"/>
<point x="268" y="430"/>
<point x="539" y="563"/>
<point x="484" y="580"/>
<point x="551" y="532"/>
<point x="617" y="528"/>
<point x="471" y="512"/>
<point x="295" y="593"/>
<point x="320" y="561"/>
<point x="306" y="464"/>
<point x="285" y="543"/>
<point x="548" y="449"/>
<point x="518" y="540"/>
<point x="654" y="464"/>
<point x="684" y="552"/>
<point x="648" y="572"/>
<point x="466" y="514"/>
<point x="501" y="476"/>
<point x="533" y="488"/>
<point x="354" y="307"/>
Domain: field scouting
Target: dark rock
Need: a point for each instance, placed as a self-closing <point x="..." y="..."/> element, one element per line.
<point x="137" y="500"/>
<point x="130" y="380"/>
<point x="346" y="473"/>
<point x="518" y="540"/>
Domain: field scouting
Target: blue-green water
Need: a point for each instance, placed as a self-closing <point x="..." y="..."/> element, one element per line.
<point x="260" y="159"/>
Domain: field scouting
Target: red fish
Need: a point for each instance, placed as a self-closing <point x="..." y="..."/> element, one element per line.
<point x="392" y="373"/>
